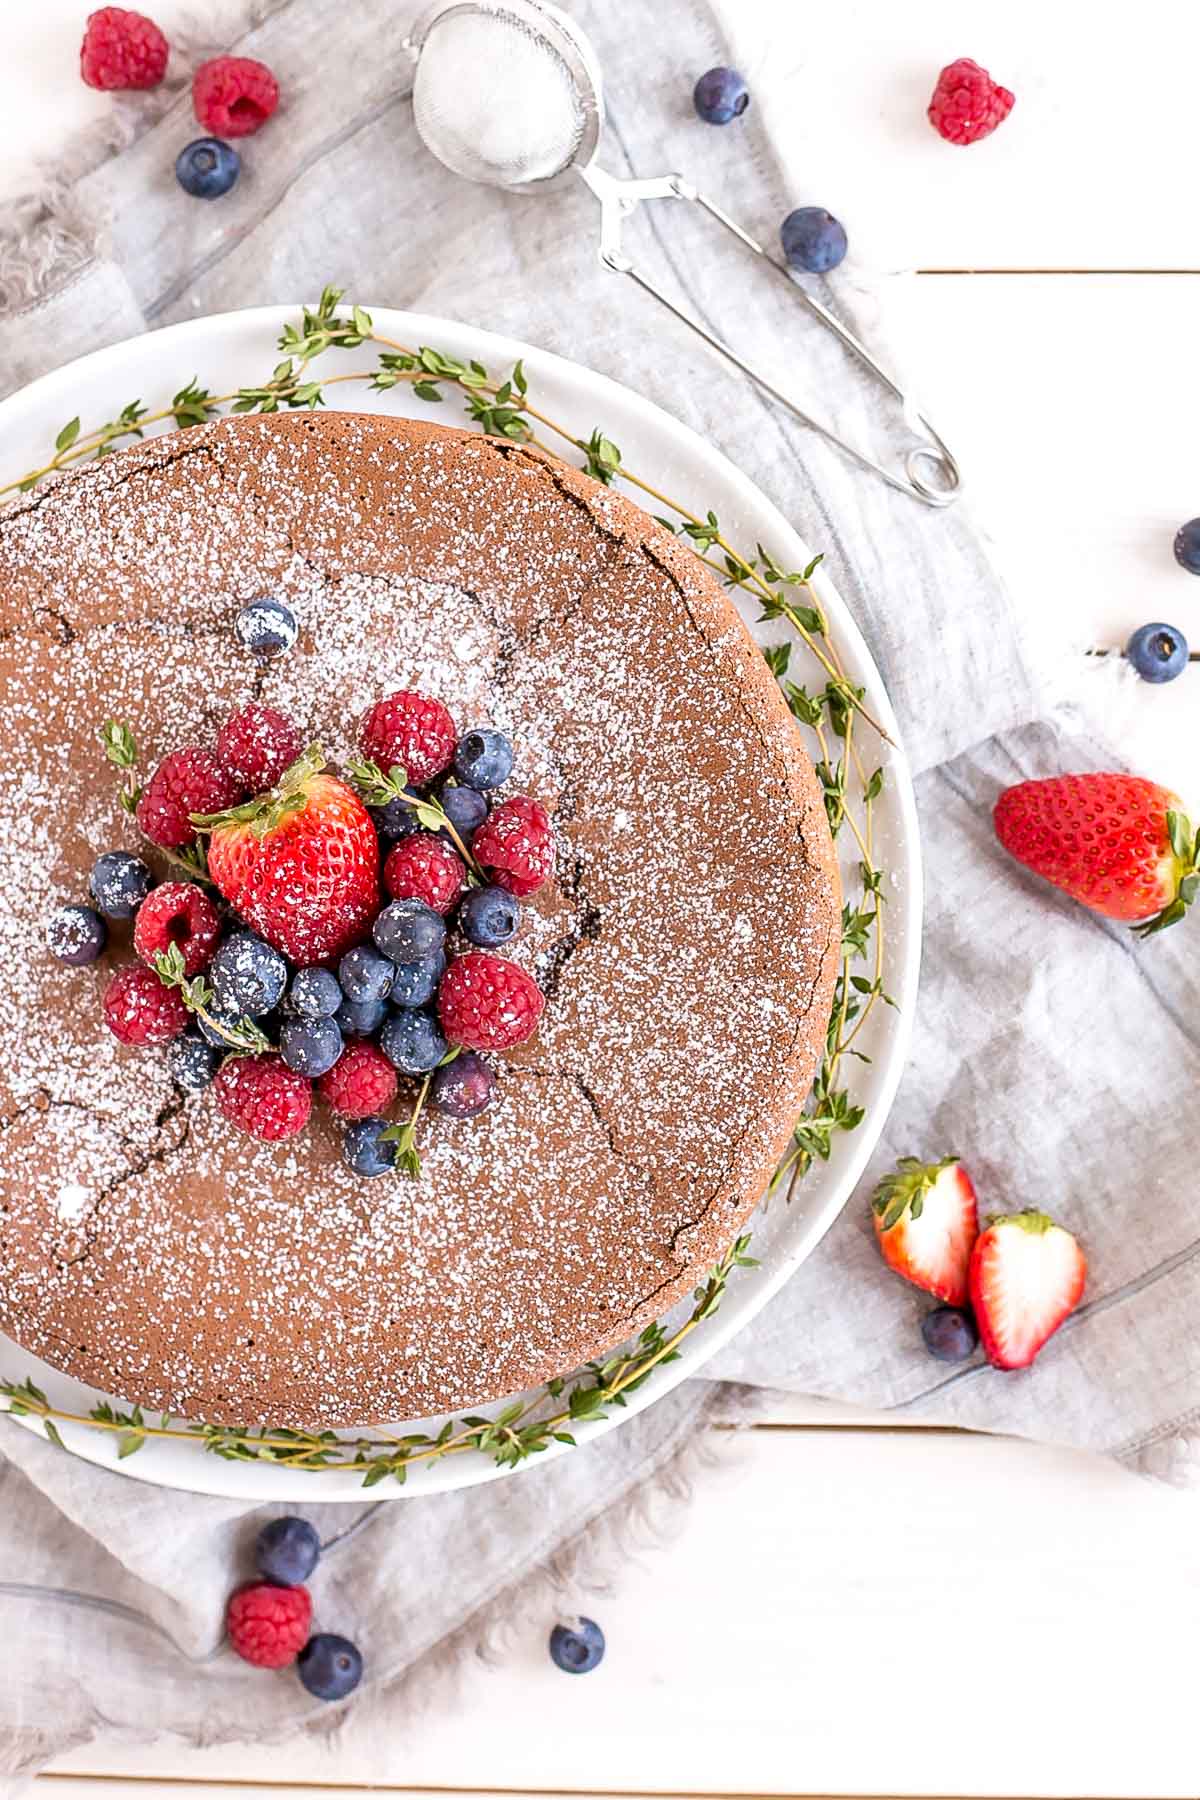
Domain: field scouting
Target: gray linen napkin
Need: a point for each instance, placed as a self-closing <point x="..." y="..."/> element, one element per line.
<point x="1049" y="1050"/>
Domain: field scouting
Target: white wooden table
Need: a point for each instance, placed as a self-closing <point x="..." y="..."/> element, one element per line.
<point x="852" y="1608"/>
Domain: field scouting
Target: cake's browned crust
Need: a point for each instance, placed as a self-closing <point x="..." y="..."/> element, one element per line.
<point x="688" y="946"/>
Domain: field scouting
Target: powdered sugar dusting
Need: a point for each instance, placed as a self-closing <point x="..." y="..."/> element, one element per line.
<point x="686" y="945"/>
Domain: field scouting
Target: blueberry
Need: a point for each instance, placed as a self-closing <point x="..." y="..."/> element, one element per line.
<point x="330" y="1666"/>
<point x="266" y="628"/>
<point x="314" y="994"/>
<point x="365" y="975"/>
<point x="247" y="975"/>
<point x="949" y="1334"/>
<point x="228" y="1016"/>
<point x="207" y="168"/>
<point x="362" y="1149"/>
<point x="720" y="95"/>
<point x="465" y="809"/>
<point x="396" y="819"/>
<point x="577" y="1648"/>
<point x="287" y="1551"/>
<point x="360" y="1018"/>
<point x="416" y="982"/>
<point x="192" y="1063"/>
<point x="119" y="883"/>
<point x="488" y="916"/>
<point x="813" y="239"/>
<point x="1187" y="546"/>
<point x="76" y="935"/>
<point x="408" y="929"/>
<point x="412" y="1042"/>
<point x="463" y="1087"/>
<point x="483" y="759"/>
<point x="1158" y="652"/>
<point x="310" y="1046"/>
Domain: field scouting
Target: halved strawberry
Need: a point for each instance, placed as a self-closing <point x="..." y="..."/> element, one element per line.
<point x="301" y="864"/>
<point x="1119" y="844"/>
<point x="926" y="1221"/>
<point x="1027" y="1274"/>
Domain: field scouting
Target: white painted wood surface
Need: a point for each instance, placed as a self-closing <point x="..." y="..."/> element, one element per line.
<point x="852" y="1610"/>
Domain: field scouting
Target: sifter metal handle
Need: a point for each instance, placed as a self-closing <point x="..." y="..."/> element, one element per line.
<point x="620" y="198"/>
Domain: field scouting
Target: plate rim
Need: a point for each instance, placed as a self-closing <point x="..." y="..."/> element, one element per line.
<point x="857" y="1149"/>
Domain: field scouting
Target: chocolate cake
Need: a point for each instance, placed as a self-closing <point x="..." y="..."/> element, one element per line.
<point x="687" y="944"/>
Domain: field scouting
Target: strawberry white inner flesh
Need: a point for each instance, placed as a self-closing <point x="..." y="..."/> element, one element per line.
<point x="1030" y="1284"/>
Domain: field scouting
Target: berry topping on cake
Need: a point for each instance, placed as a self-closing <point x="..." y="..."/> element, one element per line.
<point x="118" y="883"/>
<point x="207" y="168"/>
<point x="408" y="929"/>
<point x="483" y="759"/>
<point x="258" y="746"/>
<point x="360" y="1018"/>
<point x="330" y="1666"/>
<point x="310" y="1046"/>
<point x="462" y="1088"/>
<point x="287" y="1551"/>
<point x="489" y="916"/>
<point x="362" y="1081"/>
<point x="425" y="868"/>
<point x="180" y="913"/>
<point x="138" y="1009"/>
<point x="1119" y="844"/>
<point x="263" y="1097"/>
<point x="411" y="1040"/>
<point x="248" y="976"/>
<point x="266" y="628"/>
<point x="367" y="1149"/>
<point x="234" y="96"/>
<point x="1027" y="1276"/>
<point x="76" y="935"/>
<point x="967" y="104"/>
<point x="487" y="1003"/>
<point x="926" y="1222"/>
<point x="300" y="865"/>
<point x="410" y="731"/>
<point x="192" y="1063"/>
<point x="464" y="807"/>
<point x="185" y="782"/>
<point x="515" y="847"/>
<point x="122" y="49"/>
<point x="363" y="974"/>
<point x="415" y="983"/>
<point x="268" y="1625"/>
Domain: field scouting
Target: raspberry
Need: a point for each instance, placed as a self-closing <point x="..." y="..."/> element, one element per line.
<point x="256" y="745"/>
<point x="263" y="1096"/>
<point x="186" y="781"/>
<point x="425" y="868"/>
<point x="138" y="1009"/>
<point x="234" y="95"/>
<point x="177" y="913"/>
<point x="122" y="50"/>
<point x="267" y="1625"/>
<point x="967" y="104"/>
<point x="487" y="1003"/>
<point x="362" y="1081"/>
<point x="515" y="846"/>
<point x="411" y="730"/>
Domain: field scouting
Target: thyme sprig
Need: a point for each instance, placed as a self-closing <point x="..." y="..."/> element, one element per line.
<point x="120" y="749"/>
<point x="379" y="787"/>
<point x="243" y="1038"/>
<point x="522" y="1430"/>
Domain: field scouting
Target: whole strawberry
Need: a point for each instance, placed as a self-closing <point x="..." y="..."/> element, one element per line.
<point x="488" y="1003"/>
<point x="967" y="104"/>
<point x="926" y="1224"/>
<point x="1027" y="1275"/>
<point x="1121" y="845"/>
<point x="515" y="846"/>
<point x="301" y="864"/>
<point x="410" y="731"/>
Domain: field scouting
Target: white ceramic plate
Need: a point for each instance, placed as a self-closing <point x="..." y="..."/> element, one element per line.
<point x="236" y="349"/>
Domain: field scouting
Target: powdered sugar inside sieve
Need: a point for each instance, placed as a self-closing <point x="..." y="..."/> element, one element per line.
<point x="495" y="101"/>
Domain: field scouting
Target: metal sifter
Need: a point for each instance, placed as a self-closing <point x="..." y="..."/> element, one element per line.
<point x="508" y="93"/>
